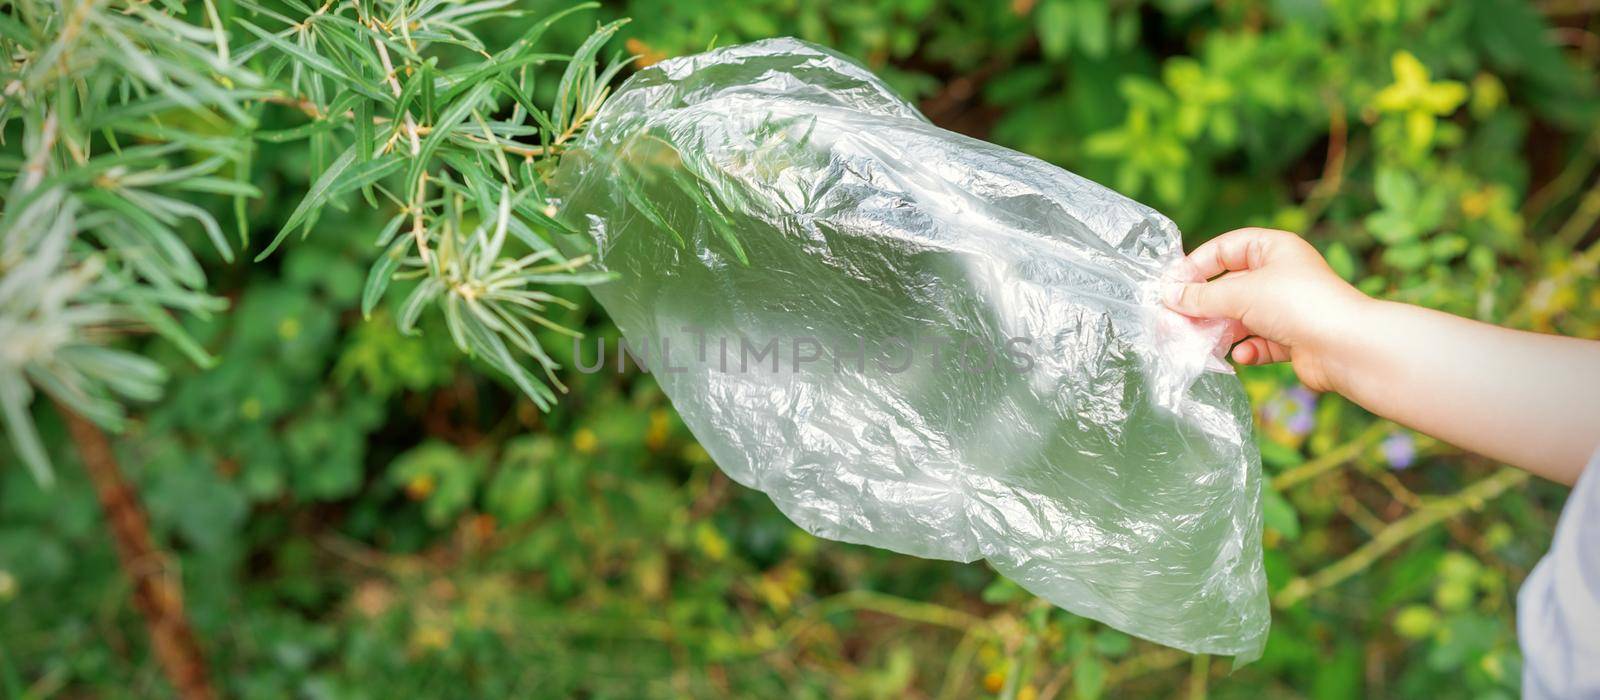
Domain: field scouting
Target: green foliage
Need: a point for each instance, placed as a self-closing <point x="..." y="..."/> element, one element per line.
<point x="96" y="191"/>
<point x="360" y="510"/>
<point x="480" y="243"/>
<point x="91" y="231"/>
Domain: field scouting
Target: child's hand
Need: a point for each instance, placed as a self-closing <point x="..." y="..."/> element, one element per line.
<point x="1526" y="399"/>
<point x="1290" y="304"/>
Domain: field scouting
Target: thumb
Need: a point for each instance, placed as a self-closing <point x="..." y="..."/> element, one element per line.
<point x="1226" y="297"/>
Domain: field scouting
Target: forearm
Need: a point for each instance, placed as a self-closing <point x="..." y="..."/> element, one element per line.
<point x="1526" y="399"/>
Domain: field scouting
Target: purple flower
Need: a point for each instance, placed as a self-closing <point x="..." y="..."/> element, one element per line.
<point x="1399" y="449"/>
<point x="1295" y="409"/>
<point x="1300" y="423"/>
<point x="1302" y="397"/>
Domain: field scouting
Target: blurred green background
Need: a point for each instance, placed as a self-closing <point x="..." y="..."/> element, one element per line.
<point x="357" y="513"/>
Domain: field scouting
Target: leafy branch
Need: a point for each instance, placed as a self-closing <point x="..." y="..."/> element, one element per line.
<point x="126" y="114"/>
<point x="462" y="154"/>
<point x="90" y="242"/>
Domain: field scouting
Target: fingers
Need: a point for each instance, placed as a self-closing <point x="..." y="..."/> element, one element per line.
<point x="1228" y="297"/>
<point x="1257" y="350"/>
<point x="1241" y="249"/>
<point x="1234" y="331"/>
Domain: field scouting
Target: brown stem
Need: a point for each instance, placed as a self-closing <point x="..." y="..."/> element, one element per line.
<point x="1333" y="166"/>
<point x="156" y="593"/>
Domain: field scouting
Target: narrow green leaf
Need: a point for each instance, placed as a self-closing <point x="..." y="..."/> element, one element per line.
<point x="162" y="323"/>
<point x="411" y="310"/>
<point x="317" y="63"/>
<point x="582" y="279"/>
<point x="133" y="376"/>
<point x="390" y="229"/>
<point x="426" y="79"/>
<point x="453" y="116"/>
<point x="382" y="272"/>
<point x="217" y="185"/>
<point x="15" y="395"/>
<point x="366" y="144"/>
<point x="492" y="69"/>
<point x="531" y="37"/>
<point x="179" y="260"/>
<point x="718" y="220"/>
<point x="582" y="62"/>
<point x="493" y="350"/>
<point x="341" y="176"/>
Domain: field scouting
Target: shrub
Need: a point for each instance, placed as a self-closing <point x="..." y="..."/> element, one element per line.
<point x="356" y="509"/>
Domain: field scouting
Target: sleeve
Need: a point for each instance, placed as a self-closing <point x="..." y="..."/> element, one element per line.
<point x="1558" y="608"/>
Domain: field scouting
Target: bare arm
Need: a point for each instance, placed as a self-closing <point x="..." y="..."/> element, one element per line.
<point x="1527" y="399"/>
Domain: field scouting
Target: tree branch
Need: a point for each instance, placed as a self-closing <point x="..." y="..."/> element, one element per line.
<point x="156" y="594"/>
<point x="1333" y="458"/>
<point x="1436" y="511"/>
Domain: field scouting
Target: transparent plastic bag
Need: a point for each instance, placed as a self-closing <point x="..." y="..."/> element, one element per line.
<point x="783" y="227"/>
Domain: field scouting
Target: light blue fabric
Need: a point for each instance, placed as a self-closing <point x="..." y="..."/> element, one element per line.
<point x="1558" y="608"/>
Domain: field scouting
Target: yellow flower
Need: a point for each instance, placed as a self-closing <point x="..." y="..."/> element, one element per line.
<point x="693" y="453"/>
<point x="1488" y="93"/>
<point x="1418" y="99"/>
<point x="988" y="655"/>
<point x="1416" y="621"/>
<point x="1493" y="665"/>
<point x="774" y="594"/>
<point x="1414" y="91"/>
<point x="711" y="542"/>
<point x="1270" y="538"/>
<point x="652" y="576"/>
<point x="585" y="441"/>
<point x="430" y="637"/>
<point x="1475" y="203"/>
<point x="420" y="487"/>
<point x="660" y="430"/>
<point x="289" y="328"/>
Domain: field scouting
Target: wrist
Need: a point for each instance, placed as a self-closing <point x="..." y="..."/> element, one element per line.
<point x="1344" y="345"/>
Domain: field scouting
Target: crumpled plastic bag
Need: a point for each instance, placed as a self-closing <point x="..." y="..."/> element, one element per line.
<point x="1051" y="416"/>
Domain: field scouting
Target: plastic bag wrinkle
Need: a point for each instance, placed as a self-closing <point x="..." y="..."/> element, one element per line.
<point x="777" y="191"/>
